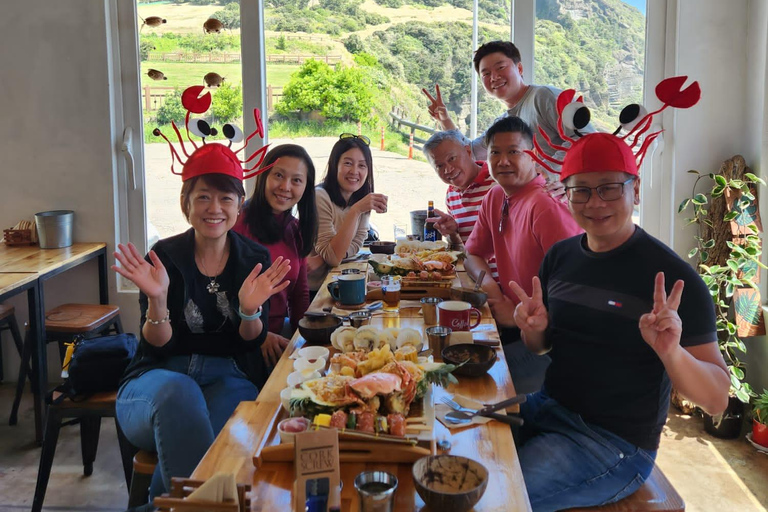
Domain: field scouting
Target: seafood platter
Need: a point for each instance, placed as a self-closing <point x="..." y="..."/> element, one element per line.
<point x="374" y="387"/>
<point x="418" y="262"/>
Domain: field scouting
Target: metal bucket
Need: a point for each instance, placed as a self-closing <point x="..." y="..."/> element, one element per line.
<point x="418" y="218"/>
<point x="54" y="228"/>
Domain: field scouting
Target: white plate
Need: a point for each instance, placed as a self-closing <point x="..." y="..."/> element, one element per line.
<point x="759" y="448"/>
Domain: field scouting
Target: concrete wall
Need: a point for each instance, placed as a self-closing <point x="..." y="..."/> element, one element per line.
<point x="723" y="46"/>
<point x="56" y="139"/>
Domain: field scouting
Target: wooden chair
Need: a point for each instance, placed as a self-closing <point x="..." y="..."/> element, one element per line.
<point x="182" y="487"/>
<point x="655" y="495"/>
<point x="64" y="323"/>
<point x="144" y="464"/>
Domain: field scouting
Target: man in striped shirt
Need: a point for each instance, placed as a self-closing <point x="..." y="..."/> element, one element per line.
<point x="468" y="182"/>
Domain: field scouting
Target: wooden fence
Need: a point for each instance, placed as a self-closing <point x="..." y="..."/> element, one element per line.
<point x="153" y="97"/>
<point x="397" y="122"/>
<point x="188" y="57"/>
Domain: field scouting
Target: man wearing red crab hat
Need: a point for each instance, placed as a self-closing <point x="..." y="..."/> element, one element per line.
<point x="618" y="335"/>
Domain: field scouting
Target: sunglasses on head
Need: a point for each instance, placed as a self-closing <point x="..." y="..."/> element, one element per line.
<point x="363" y="138"/>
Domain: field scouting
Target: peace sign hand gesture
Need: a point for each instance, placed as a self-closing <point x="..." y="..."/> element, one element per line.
<point x="152" y="279"/>
<point x="530" y="314"/>
<point x="437" y="108"/>
<point x="258" y="288"/>
<point x="662" y="327"/>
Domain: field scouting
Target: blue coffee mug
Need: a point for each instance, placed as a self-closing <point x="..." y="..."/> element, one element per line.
<point x="348" y="289"/>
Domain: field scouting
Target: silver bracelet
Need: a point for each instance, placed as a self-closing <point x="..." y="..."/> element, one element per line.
<point x="158" y="322"/>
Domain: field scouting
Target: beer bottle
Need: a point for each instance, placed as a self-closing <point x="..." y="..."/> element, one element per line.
<point x="430" y="233"/>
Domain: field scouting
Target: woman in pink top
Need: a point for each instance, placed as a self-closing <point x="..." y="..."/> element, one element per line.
<point x="268" y="220"/>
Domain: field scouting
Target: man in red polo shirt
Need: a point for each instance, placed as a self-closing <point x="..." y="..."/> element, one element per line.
<point x="517" y="224"/>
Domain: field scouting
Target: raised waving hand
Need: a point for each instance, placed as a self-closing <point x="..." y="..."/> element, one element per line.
<point x="259" y="287"/>
<point x="530" y="313"/>
<point x="437" y="108"/>
<point x="152" y="279"/>
<point x="662" y="327"/>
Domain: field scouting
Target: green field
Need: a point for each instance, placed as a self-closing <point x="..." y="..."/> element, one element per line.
<point x="183" y="74"/>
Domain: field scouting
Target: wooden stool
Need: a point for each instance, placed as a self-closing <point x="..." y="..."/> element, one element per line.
<point x="89" y="410"/>
<point x="63" y="324"/>
<point x="144" y="464"/>
<point x="655" y="495"/>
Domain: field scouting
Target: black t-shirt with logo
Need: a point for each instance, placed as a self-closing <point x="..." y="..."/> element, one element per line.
<point x="601" y="367"/>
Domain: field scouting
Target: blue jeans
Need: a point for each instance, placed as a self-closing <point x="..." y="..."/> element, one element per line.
<point x="569" y="463"/>
<point x="178" y="410"/>
<point x="526" y="368"/>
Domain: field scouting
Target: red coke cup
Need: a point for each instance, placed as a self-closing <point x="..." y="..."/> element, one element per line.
<point x="456" y="314"/>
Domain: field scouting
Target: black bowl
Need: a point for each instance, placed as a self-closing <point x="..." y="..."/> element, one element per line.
<point x="317" y="329"/>
<point x="481" y="358"/>
<point x="382" y="247"/>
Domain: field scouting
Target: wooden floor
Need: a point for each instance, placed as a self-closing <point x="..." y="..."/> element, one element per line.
<point x="710" y="474"/>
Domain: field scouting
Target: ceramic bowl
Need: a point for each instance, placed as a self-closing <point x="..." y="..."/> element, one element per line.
<point x="317" y="329"/>
<point x="303" y="363"/>
<point x="481" y="358"/>
<point x="382" y="247"/>
<point x="314" y="353"/>
<point x="296" y="378"/>
<point x="287" y="437"/>
<point x="449" y="483"/>
<point x="476" y="298"/>
<point x="285" y="399"/>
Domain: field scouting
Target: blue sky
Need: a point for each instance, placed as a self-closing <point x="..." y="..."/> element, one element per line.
<point x="640" y="4"/>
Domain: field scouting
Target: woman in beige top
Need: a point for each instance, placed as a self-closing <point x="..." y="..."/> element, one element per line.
<point x="344" y="200"/>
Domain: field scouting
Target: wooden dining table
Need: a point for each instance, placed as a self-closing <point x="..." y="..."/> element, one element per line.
<point x="252" y="427"/>
<point x="27" y="268"/>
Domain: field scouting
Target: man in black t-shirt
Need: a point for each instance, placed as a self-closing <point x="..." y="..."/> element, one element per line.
<point x="618" y="338"/>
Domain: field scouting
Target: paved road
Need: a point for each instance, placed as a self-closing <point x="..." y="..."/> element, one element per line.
<point x="408" y="183"/>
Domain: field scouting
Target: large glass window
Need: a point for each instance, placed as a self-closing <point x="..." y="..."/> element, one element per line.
<point x="597" y="48"/>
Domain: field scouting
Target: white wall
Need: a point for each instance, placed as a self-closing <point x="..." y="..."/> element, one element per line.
<point x="55" y="136"/>
<point x="723" y="46"/>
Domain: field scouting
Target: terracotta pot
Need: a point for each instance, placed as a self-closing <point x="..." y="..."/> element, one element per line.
<point x="760" y="433"/>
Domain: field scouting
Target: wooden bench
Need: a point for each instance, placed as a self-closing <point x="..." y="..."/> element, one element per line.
<point x="655" y="495"/>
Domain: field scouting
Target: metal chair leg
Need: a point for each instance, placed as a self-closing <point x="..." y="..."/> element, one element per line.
<point x="52" y="426"/>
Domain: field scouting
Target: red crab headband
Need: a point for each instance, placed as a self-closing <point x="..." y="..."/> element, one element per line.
<point x="606" y="152"/>
<point x="212" y="158"/>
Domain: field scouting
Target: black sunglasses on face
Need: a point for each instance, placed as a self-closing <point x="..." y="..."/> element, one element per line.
<point x="363" y="138"/>
<point x="606" y="192"/>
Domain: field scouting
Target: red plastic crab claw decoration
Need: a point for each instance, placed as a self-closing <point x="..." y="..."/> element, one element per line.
<point x="604" y="152"/>
<point x="212" y="158"/>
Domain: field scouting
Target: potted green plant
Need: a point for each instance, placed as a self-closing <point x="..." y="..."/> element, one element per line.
<point x="760" y="419"/>
<point x="727" y="262"/>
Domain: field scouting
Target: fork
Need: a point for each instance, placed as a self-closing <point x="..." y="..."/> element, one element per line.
<point x="456" y="407"/>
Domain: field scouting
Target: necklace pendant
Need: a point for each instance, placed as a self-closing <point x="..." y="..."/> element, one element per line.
<point x="212" y="287"/>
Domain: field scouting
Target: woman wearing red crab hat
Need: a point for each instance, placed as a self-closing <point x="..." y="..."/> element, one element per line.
<point x="203" y="296"/>
<point x="619" y="337"/>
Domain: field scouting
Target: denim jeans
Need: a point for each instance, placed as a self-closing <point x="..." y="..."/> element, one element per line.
<point x="179" y="409"/>
<point x="569" y="463"/>
<point x="526" y="368"/>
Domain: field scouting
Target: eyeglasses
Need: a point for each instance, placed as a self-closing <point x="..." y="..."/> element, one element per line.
<point x="606" y="192"/>
<point x="363" y="138"/>
<point x="504" y="214"/>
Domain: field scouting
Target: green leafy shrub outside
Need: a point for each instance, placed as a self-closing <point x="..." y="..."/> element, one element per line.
<point x="227" y="104"/>
<point x="341" y="94"/>
<point x="171" y="109"/>
<point x="229" y="16"/>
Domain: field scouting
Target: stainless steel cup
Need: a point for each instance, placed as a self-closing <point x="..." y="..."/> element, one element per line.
<point x="351" y="271"/>
<point x="429" y="309"/>
<point x="438" y="339"/>
<point x="376" y="490"/>
<point x="359" y="318"/>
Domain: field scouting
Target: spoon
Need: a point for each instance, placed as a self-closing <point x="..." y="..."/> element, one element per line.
<point x="479" y="281"/>
<point x="460" y="418"/>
